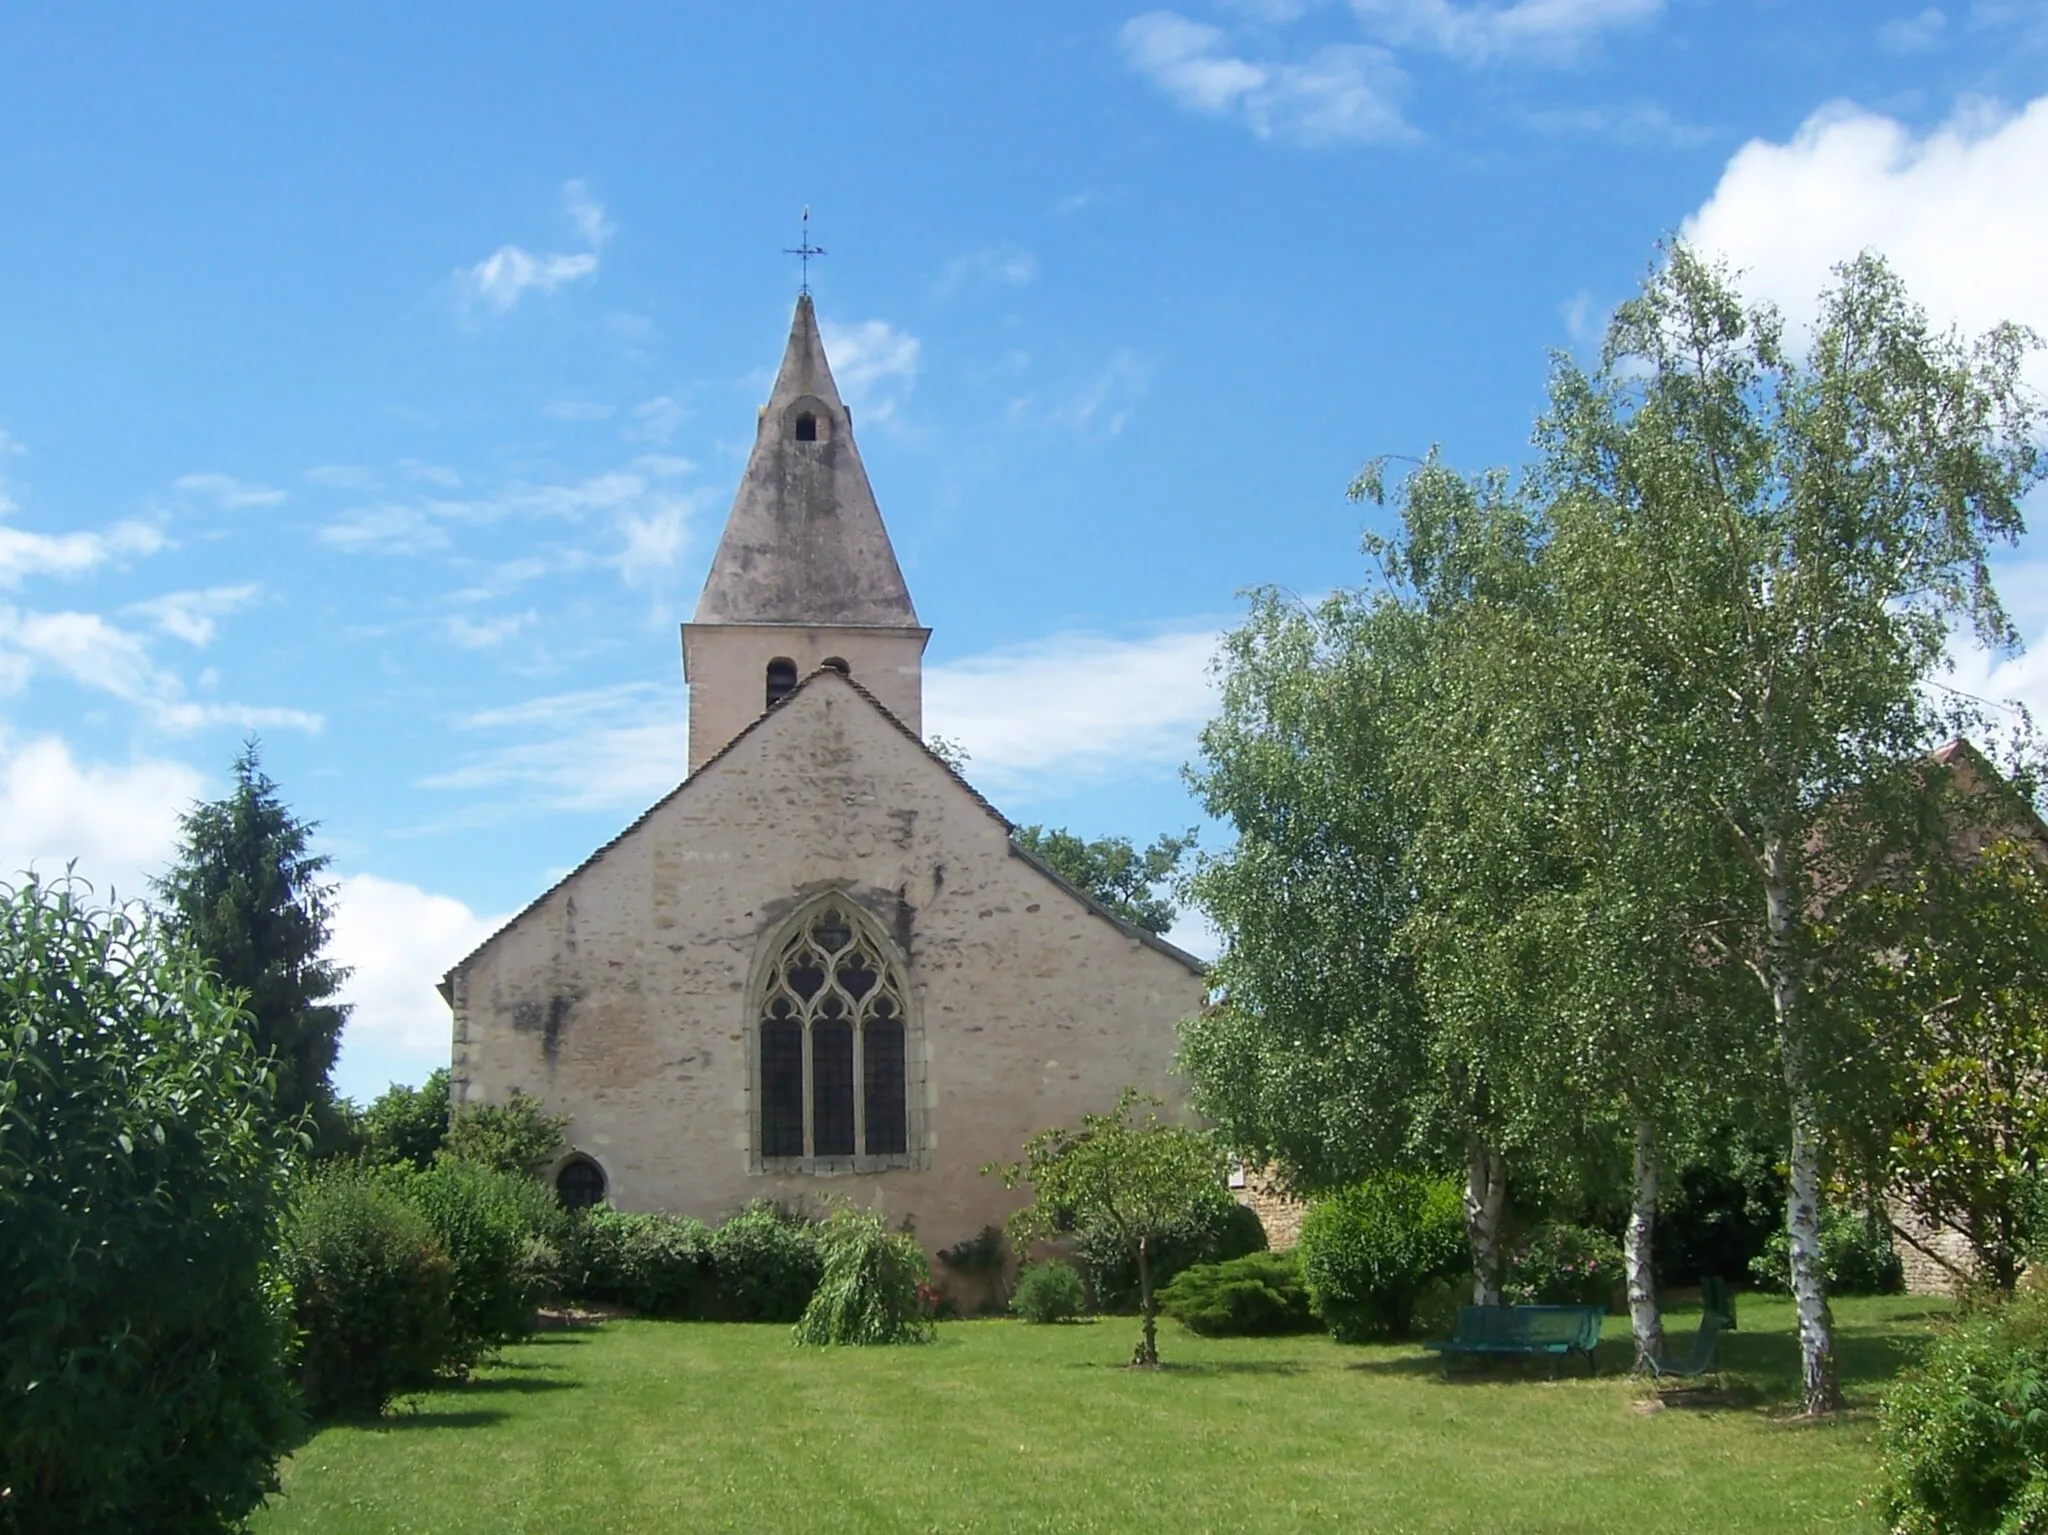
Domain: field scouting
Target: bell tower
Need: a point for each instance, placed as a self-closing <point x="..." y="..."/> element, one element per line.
<point x="805" y="575"/>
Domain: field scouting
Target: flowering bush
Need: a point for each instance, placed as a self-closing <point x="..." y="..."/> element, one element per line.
<point x="1556" y="1264"/>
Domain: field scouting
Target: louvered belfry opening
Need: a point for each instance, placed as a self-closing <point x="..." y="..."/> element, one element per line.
<point x="833" y="1063"/>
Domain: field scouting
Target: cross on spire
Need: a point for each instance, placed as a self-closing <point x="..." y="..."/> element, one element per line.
<point x="805" y="250"/>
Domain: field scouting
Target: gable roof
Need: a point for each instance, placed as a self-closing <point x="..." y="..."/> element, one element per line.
<point x="1150" y="940"/>
<point x="804" y="542"/>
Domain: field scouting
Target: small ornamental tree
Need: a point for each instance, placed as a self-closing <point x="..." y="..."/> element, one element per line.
<point x="1139" y="1178"/>
<point x="246" y="893"/>
<point x="144" y="1332"/>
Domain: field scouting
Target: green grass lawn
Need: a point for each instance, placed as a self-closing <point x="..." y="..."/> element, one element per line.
<point x="653" y="1426"/>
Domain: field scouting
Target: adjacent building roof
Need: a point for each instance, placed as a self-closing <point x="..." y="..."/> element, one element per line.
<point x="804" y="543"/>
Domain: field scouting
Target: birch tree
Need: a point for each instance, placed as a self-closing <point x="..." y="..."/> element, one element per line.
<point x="1789" y="540"/>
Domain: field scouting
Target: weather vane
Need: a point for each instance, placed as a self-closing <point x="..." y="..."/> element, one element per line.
<point x="804" y="249"/>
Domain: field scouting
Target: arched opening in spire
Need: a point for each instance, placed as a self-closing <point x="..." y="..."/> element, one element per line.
<point x="806" y="427"/>
<point x="781" y="679"/>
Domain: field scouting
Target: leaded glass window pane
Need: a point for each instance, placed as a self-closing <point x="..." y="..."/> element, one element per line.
<point x="888" y="1130"/>
<point x="832" y="1088"/>
<point x="831" y="992"/>
<point x="782" y="1089"/>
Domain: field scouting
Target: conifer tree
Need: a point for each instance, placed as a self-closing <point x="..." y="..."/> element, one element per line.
<point x="246" y="893"/>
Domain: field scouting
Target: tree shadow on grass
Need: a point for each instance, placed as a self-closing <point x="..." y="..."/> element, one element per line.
<point x="523" y="1384"/>
<point x="468" y="1417"/>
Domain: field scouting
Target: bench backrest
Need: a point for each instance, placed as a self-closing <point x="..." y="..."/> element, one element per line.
<point x="1529" y="1326"/>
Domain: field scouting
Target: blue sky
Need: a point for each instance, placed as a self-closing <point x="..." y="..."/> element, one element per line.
<point x="378" y="379"/>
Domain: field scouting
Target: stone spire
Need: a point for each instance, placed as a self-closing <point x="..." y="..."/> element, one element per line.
<point x="804" y="543"/>
<point x="804" y="577"/>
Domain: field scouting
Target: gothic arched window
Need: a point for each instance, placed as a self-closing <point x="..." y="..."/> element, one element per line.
<point x="832" y="1048"/>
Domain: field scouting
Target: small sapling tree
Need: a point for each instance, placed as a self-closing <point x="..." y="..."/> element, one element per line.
<point x="1137" y="1177"/>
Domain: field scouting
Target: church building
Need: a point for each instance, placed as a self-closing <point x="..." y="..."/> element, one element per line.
<point x="819" y="966"/>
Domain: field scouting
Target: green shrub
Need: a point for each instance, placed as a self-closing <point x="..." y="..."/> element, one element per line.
<point x="1556" y="1264"/>
<point x="500" y="1230"/>
<point x="1253" y="1296"/>
<point x="1049" y="1292"/>
<point x="1856" y="1257"/>
<point x="765" y="1263"/>
<point x="874" y="1288"/>
<point x="1963" y="1435"/>
<point x="513" y="1136"/>
<point x="143" y="1329"/>
<point x="1368" y="1253"/>
<point x="660" y="1265"/>
<point x="406" y="1124"/>
<point x="1215" y="1231"/>
<point x="372" y="1287"/>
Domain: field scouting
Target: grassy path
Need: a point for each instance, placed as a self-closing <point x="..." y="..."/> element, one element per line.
<point x="647" y="1426"/>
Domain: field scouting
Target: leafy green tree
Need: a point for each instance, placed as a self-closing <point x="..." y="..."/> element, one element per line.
<point x="1565" y="913"/>
<point x="245" y="892"/>
<point x="1140" y="1178"/>
<point x="1965" y="1141"/>
<point x="1783" y="541"/>
<point x="516" y="1136"/>
<point x="143" y="1332"/>
<point x="407" y="1124"/>
<point x="1315" y="1055"/>
<point x="1112" y="871"/>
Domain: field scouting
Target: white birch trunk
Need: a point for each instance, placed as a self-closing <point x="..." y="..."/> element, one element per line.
<point x="1638" y="1251"/>
<point x="1486" y="1187"/>
<point x="1819" y="1388"/>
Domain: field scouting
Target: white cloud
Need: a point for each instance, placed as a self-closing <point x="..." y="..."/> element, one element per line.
<point x="119" y="824"/>
<point x="1912" y="34"/>
<point x="95" y="654"/>
<point x="1098" y="406"/>
<point x="486" y="633"/>
<point x="501" y="279"/>
<point x="616" y="748"/>
<point x="1547" y="31"/>
<point x="390" y="528"/>
<point x="998" y="266"/>
<point x="1341" y="93"/>
<point x="189" y="616"/>
<point x="578" y="410"/>
<point x="874" y="364"/>
<point x="227" y="491"/>
<point x="586" y="213"/>
<point x="1639" y="122"/>
<point x="1960" y="212"/>
<point x="655" y="539"/>
<point x="398" y="940"/>
<point x="24" y="554"/>
<point x="1075" y="707"/>
<point x="656" y="420"/>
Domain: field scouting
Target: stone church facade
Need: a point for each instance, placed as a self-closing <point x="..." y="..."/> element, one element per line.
<point x="819" y="966"/>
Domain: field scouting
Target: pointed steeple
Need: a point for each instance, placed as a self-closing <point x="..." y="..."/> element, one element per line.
<point x="804" y="543"/>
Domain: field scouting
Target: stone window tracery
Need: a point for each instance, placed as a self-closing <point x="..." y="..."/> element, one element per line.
<point x="832" y="1050"/>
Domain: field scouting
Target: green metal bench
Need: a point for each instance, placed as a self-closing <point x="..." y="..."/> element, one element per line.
<point x="1503" y="1331"/>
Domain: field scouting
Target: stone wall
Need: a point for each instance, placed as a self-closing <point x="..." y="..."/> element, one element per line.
<point x="1278" y="1211"/>
<point x="623" y="997"/>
